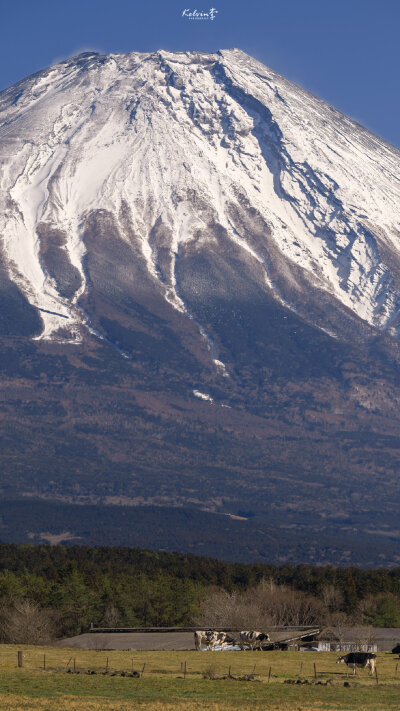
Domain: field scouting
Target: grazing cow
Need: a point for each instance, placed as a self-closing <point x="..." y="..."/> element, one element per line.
<point x="359" y="659"/>
<point x="253" y="640"/>
<point x="222" y="639"/>
<point x="200" y="638"/>
<point x="211" y="639"/>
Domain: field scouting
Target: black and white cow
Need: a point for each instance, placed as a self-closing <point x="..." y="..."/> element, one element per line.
<point x="200" y="639"/>
<point x="366" y="660"/>
<point x="253" y="640"/>
<point x="211" y="639"/>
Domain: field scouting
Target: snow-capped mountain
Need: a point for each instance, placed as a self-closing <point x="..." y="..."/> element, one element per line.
<point x="199" y="308"/>
<point x="191" y="153"/>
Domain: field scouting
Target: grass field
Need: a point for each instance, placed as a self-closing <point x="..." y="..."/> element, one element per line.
<point x="257" y="681"/>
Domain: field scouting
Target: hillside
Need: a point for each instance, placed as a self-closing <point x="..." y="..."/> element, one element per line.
<point x="199" y="313"/>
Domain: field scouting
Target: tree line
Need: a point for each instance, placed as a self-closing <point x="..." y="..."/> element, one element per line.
<point x="58" y="591"/>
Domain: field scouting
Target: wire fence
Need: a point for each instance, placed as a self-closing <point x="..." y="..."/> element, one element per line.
<point x="284" y="667"/>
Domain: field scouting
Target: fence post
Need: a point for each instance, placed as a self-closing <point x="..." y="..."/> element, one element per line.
<point x="376" y="675"/>
<point x="74" y="665"/>
<point x="133" y="668"/>
<point x="185" y="670"/>
<point x="315" y="671"/>
<point x="269" y="674"/>
<point x="20" y="659"/>
<point x="301" y="668"/>
<point x="107" y="666"/>
<point x="229" y="673"/>
<point x="44" y="661"/>
<point x="143" y="668"/>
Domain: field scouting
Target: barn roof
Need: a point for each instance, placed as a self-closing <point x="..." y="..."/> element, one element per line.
<point x="358" y="633"/>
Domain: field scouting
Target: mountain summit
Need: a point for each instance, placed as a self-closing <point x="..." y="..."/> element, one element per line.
<point x="189" y="155"/>
<point x="200" y="294"/>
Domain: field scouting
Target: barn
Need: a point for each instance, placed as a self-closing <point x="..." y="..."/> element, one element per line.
<point x="338" y="639"/>
<point x="178" y="638"/>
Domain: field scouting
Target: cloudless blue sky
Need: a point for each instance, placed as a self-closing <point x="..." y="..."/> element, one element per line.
<point x="345" y="51"/>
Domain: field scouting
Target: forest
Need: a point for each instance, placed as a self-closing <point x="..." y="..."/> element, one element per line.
<point x="58" y="591"/>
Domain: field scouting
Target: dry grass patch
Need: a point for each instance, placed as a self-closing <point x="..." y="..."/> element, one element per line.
<point x="11" y="702"/>
<point x="206" y="686"/>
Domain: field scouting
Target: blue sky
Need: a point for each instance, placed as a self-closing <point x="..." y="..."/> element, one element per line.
<point x="346" y="51"/>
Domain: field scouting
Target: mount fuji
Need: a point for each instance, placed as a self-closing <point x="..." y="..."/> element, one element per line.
<point x="199" y="312"/>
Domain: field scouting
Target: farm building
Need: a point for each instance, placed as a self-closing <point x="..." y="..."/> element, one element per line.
<point x="356" y="639"/>
<point x="346" y="639"/>
<point x="178" y="638"/>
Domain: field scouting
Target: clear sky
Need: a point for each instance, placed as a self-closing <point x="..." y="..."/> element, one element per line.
<point x="345" y="51"/>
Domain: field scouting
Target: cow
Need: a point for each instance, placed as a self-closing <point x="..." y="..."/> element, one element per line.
<point x="211" y="639"/>
<point x="359" y="659"/>
<point x="200" y="638"/>
<point x="253" y="640"/>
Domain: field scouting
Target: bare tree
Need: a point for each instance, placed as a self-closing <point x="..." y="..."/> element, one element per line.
<point x="364" y="637"/>
<point x="26" y="623"/>
<point x="260" y="607"/>
<point x="339" y="625"/>
<point x="223" y="609"/>
<point x="332" y="598"/>
<point x="111" y="617"/>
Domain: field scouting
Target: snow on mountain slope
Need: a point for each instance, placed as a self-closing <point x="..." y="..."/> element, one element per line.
<point x="200" y="151"/>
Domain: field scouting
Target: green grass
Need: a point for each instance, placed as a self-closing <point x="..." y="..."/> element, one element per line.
<point x="163" y="686"/>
